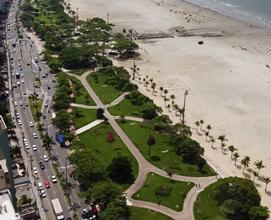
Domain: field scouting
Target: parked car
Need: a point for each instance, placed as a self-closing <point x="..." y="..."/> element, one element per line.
<point x="54" y="179"/>
<point x="41" y="165"/>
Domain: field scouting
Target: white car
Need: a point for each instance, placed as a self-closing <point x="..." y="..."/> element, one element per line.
<point x="26" y="104"/>
<point x="54" y="179"/>
<point x="18" y="83"/>
<point x="35" y="135"/>
<point x="20" y="123"/>
<point x="15" y="103"/>
<point x="31" y="124"/>
<point x="22" y="81"/>
<point x="21" y="103"/>
<point x="42" y="193"/>
<point x="46" y="105"/>
<point x="17" y="115"/>
<point x="40" y="186"/>
<point x="34" y="147"/>
<point x="35" y="170"/>
<point x="45" y="158"/>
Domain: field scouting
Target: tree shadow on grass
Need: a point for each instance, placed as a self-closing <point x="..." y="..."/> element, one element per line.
<point x="155" y="158"/>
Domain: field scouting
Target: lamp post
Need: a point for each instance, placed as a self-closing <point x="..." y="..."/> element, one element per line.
<point x="184" y="103"/>
<point x="135" y="70"/>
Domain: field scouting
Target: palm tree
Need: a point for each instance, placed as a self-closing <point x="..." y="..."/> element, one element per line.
<point x="266" y="180"/>
<point x="161" y="90"/>
<point x="232" y="149"/>
<point x="223" y="145"/>
<point x="235" y="156"/>
<point x="180" y="110"/>
<point x="147" y="84"/>
<point x="208" y="127"/>
<point x="245" y="162"/>
<point x="165" y="92"/>
<point x="151" y="80"/>
<point x="172" y="97"/>
<point x="197" y="123"/>
<point x="165" y="99"/>
<point x="259" y="165"/>
<point x="176" y="107"/>
<point x="139" y="79"/>
<point x="153" y="85"/>
<point x="212" y="141"/>
<point x="255" y="173"/>
<point x="201" y="123"/>
<point x="206" y="135"/>
<point x="168" y="107"/>
<point x="222" y="138"/>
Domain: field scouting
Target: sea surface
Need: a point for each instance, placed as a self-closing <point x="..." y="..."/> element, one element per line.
<point x="256" y="12"/>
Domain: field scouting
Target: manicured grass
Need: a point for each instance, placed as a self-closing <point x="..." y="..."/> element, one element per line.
<point x="106" y="92"/>
<point x="83" y="116"/>
<point x="35" y="106"/>
<point x="206" y="207"/>
<point x="162" y="153"/>
<point x="145" y="214"/>
<point x="96" y="139"/>
<point x="81" y="96"/>
<point x="126" y="108"/>
<point x="175" y="198"/>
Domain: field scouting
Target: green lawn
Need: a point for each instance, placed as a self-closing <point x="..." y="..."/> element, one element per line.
<point x="35" y="106"/>
<point x="83" y="116"/>
<point x="96" y="140"/>
<point x="145" y="214"/>
<point x="174" y="199"/>
<point x="162" y="153"/>
<point x="81" y="96"/>
<point x="106" y="92"/>
<point x="126" y="108"/>
<point x="206" y="208"/>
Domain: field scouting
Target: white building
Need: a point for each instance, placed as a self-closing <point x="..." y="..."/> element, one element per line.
<point x="7" y="211"/>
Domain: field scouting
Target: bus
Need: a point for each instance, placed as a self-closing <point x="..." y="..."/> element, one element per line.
<point x="57" y="209"/>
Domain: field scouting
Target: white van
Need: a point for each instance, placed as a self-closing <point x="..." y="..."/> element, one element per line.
<point x="40" y="186"/>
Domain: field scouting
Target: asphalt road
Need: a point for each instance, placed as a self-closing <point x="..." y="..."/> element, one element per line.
<point x="25" y="58"/>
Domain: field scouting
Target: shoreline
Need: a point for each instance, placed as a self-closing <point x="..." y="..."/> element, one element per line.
<point x="227" y="77"/>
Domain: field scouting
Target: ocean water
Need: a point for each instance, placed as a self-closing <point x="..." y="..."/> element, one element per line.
<point x="256" y="12"/>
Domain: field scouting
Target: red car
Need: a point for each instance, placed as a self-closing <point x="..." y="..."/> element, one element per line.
<point x="47" y="184"/>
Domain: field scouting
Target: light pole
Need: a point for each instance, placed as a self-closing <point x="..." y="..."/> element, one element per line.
<point x="135" y="70"/>
<point x="184" y="103"/>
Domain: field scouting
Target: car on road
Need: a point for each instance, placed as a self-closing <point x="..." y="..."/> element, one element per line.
<point x="42" y="193"/>
<point x="41" y="165"/>
<point x="40" y="186"/>
<point x="34" y="147"/>
<point x="48" y="87"/>
<point x="20" y="123"/>
<point x="17" y="115"/>
<point x="18" y="83"/>
<point x="21" y="103"/>
<point x="54" y="179"/>
<point x="15" y="103"/>
<point x="44" y="116"/>
<point x="31" y="124"/>
<point x="35" y="170"/>
<point x="35" y="135"/>
<point x="22" y="81"/>
<point x="46" y="105"/>
<point x="45" y="158"/>
<point x="24" y="93"/>
<point x="28" y="64"/>
<point x="47" y="184"/>
<point x="26" y="104"/>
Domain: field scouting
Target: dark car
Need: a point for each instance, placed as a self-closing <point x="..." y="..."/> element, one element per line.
<point x="44" y="116"/>
<point x="41" y="165"/>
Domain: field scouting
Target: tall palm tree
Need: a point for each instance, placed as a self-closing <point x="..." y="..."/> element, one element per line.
<point x="161" y="90"/>
<point x="147" y="84"/>
<point x="165" y="92"/>
<point x="235" y="156"/>
<point x="153" y="86"/>
<point x="176" y="107"/>
<point x="209" y="127"/>
<point x="222" y="138"/>
<point x="232" y="149"/>
<point x="172" y="97"/>
<point x="151" y="80"/>
<point x="139" y="79"/>
<point x="206" y="135"/>
<point x="201" y="123"/>
<point x="259" y="165"/>
<point x="245" y="162"/>
<point x="255" y="173"/>
<point x="197" y="123"/>
<point x="266" y="180"/>
<point x="180" y="110"/>
<point x="212" y="140"/>
<point x="165" y="100"/>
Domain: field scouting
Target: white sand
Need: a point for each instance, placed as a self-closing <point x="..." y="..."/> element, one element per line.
<point x="229" y="87"/>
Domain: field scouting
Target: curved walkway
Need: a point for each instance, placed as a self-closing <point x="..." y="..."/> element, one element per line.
<point x="146" y="167"/>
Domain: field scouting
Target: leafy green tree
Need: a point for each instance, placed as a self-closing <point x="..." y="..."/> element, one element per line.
<point x="62" y="120"/>
<point x="200" y="162"/>
<point x="125" y="47"/>
<point x="150" y="142"/>
<point x="121" y="170"/>
<point x="100" y="113"/>
<point x="103" y="193"/>
<point x="116" y="210"/>
<point x="258" y="213"/>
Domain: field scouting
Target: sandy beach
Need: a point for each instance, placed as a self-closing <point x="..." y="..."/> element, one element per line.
<point x="228" y="77"/>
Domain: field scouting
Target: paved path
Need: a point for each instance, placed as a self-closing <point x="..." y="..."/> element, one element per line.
<point x="130" y="118"/>
<point x="146" y="167"/>
<point x="83" y="106"/>
<point x="88" y="126"/>
<point x="118" y="100"/>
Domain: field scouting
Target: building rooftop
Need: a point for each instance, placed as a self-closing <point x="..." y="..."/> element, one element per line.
<point x="7" y="211"/>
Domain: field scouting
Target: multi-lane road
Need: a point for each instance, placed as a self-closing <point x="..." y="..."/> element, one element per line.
<point x="24" y="58"/>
